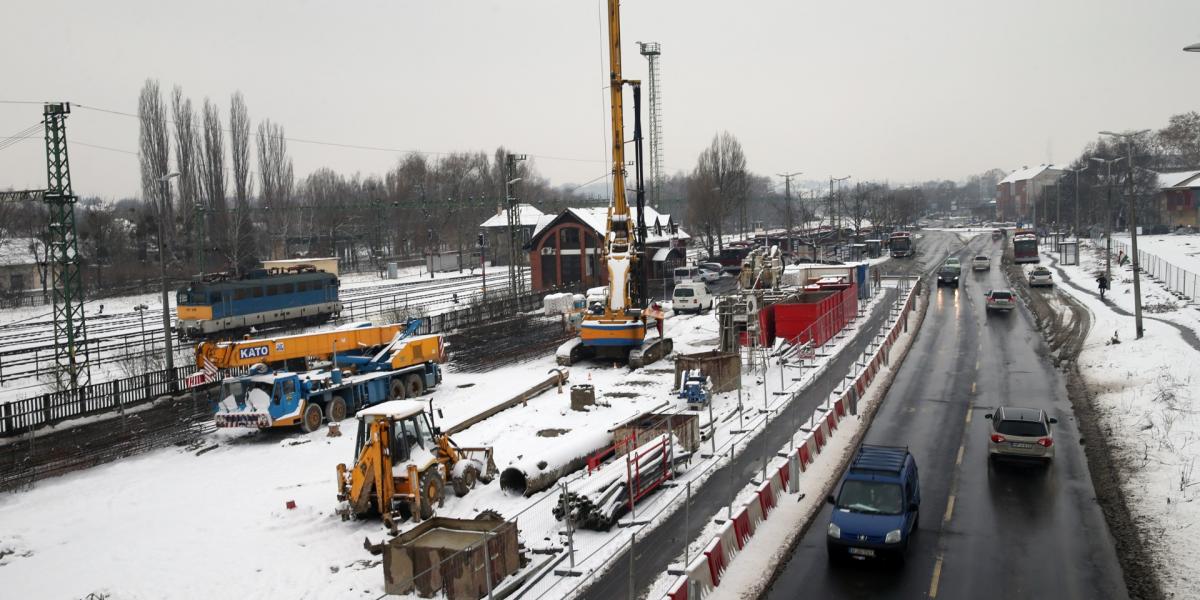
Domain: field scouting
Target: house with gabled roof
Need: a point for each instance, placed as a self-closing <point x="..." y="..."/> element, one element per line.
<point x="1018" y="193"/>
<point x="565" y="249"/>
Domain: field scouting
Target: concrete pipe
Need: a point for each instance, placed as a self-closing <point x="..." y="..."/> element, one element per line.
<point x="532" y="474"/>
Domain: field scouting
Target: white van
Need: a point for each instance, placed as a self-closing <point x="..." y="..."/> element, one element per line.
<point x="692" y="296"/>
<point x="686" y="274"/>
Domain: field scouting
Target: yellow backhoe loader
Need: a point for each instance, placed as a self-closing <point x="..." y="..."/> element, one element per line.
<point x="403" y="463"/>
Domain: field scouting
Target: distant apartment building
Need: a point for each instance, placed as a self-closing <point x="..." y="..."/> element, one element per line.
<point x="1018" y="194"/>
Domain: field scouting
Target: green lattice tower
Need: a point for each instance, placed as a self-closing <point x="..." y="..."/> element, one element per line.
<point x="70" y="329"/>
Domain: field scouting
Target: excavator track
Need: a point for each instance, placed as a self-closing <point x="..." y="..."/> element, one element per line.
<point x="650" y="352"/>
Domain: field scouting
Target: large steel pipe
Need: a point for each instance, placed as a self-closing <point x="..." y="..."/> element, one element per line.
<point x="532" y="474"/>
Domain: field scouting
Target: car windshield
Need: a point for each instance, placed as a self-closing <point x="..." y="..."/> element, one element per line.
<point x="1021" y="428"/>
<point x="1001" y="296"/>
<point x="981" y="258"/>
<point x="872" y="497"/>
<point x="683" y="293"/>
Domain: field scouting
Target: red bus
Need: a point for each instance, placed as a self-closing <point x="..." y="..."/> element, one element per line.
<point x="1025" y="247"/>
<point x="901" y="244"/>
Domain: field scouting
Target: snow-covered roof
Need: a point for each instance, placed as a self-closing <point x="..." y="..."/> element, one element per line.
<point x="1030" y="172"/>
<point x="400" y="409"/>
<point x="595" y="217"/>
<point x="1179" y="179"/>
<point x="18" y="251"/>
<point x="527" y="214"/>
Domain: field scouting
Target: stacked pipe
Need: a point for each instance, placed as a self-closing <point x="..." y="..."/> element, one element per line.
<point x="598" y="501"/>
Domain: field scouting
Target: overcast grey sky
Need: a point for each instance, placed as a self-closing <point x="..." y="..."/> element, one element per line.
<point x="895" y="90"/>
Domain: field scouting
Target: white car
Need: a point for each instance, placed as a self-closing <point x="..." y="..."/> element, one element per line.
<point x="707" y="275"/>
<point x="692" y="296"/>
<point x="981" y="263"/>
<point x="1041" y="276"/>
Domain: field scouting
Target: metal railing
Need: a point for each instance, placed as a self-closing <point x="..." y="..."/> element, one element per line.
<point x="1175" y="278"/>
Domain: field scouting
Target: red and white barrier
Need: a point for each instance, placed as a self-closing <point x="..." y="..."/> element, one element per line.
<point x="704" y="573"/>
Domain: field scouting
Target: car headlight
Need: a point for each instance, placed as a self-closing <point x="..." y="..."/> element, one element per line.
<point x="892" y="537"/>
<point x="835" y="531"/>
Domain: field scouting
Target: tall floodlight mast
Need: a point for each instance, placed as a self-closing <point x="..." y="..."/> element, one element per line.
<point x="652" y="51"/>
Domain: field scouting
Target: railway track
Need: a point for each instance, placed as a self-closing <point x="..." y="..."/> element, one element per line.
<point x="131" y="345"/>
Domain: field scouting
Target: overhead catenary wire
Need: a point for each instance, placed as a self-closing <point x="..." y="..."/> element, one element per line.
<point x="371" y="148"/>
<point x="30" y="132"/>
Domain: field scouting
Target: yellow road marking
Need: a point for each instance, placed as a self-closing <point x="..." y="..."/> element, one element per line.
<point x="937" y="575"/>
<point x="949" y="510"/>
<point x="973" y="387"/>
<point x="958" y="461"/>
<point x="976" y="365"/>
<point x="968" y="414"/>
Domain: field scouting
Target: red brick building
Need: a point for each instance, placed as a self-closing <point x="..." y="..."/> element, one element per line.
<point x="566" y="248"/>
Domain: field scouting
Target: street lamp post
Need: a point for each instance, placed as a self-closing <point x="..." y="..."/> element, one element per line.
<point x="141" y="311"/>
<point x="165" y="180"/>
<point x="1137" y="283"/>
<point x="1108" y="215"/>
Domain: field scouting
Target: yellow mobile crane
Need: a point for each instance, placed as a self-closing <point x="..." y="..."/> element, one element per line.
<point x="618" y="329"/>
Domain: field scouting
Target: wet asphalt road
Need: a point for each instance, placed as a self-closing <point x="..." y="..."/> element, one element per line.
<point x="1003" y="531"/>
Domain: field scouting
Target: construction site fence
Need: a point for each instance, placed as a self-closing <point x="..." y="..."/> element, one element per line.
<point x="623" y="546"/>
<point x="20" y="416"/>
<point x="1182" y="283"/>
<point x="553" y="555"/>
<point x="703" y="573"/>
<point x="179" y="420"/>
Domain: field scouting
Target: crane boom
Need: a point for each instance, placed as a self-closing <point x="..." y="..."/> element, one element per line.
<point x="619" y="328"/>
<point x="618" y="253"/>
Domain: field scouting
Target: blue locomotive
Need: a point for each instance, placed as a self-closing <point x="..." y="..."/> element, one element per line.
<point x="220" y="304"/>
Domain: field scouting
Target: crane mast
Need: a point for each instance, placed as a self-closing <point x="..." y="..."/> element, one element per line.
<point x="618" y="253"/>
<point x="618" y="329"/>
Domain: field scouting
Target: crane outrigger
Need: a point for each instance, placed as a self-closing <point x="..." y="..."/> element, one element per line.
<point x="617" y="330"/>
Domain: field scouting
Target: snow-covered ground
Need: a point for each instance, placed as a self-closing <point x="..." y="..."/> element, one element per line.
<point x="173" y="524"/>
<point x="1147" y="393"/>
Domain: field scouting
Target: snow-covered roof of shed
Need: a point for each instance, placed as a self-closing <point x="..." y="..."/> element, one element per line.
<point x="19" y="251"/>
<point x="527" y="214"/>
<point x="1179" y="179"/>
<point x="595" y="217"/>
<point x="1030" y="172"/>
<point x="400" y="409"/>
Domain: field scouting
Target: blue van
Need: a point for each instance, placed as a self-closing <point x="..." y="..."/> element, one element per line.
<point x="877" y="506"/>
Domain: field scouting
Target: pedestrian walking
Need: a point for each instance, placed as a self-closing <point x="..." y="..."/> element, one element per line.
<point x="1102" y="282"/>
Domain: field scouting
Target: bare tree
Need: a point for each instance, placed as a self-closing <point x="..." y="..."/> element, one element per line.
<point x="212" y="167"/>
<point x="242" y="253"/>
<point x="155" y="152"/>
<point x="721" y="170"/>
<point x="276" y="183"/>
<point x="187" y="148"/>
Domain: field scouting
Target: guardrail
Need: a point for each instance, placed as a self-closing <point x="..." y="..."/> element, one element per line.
<point x="558" y="557"/>
<point x="1182" y="282"/>
<point x="703" y="574"/>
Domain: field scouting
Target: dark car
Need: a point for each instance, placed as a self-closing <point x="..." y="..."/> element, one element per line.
<point x="877" y="507"/>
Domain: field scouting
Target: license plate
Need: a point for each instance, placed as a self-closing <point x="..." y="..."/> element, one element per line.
<point x="1020" y="445"/>
<point x="861" y="551"/>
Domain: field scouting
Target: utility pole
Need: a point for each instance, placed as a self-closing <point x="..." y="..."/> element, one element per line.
<point x="1137" y="280"/>
<point x="200" y="264"/>
<point x="165" y="180"/>
<point x="515" y="279"/>
<point x="787" y="204"/>
<point x="70" y="325"/>
<point x="833" y="208"/>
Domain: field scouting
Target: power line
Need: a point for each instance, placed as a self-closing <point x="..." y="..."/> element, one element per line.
<point x="339" y="144"/>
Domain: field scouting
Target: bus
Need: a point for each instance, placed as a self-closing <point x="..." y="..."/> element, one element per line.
<point x="901" y="244"/>
<point x="1025" y="247"/>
